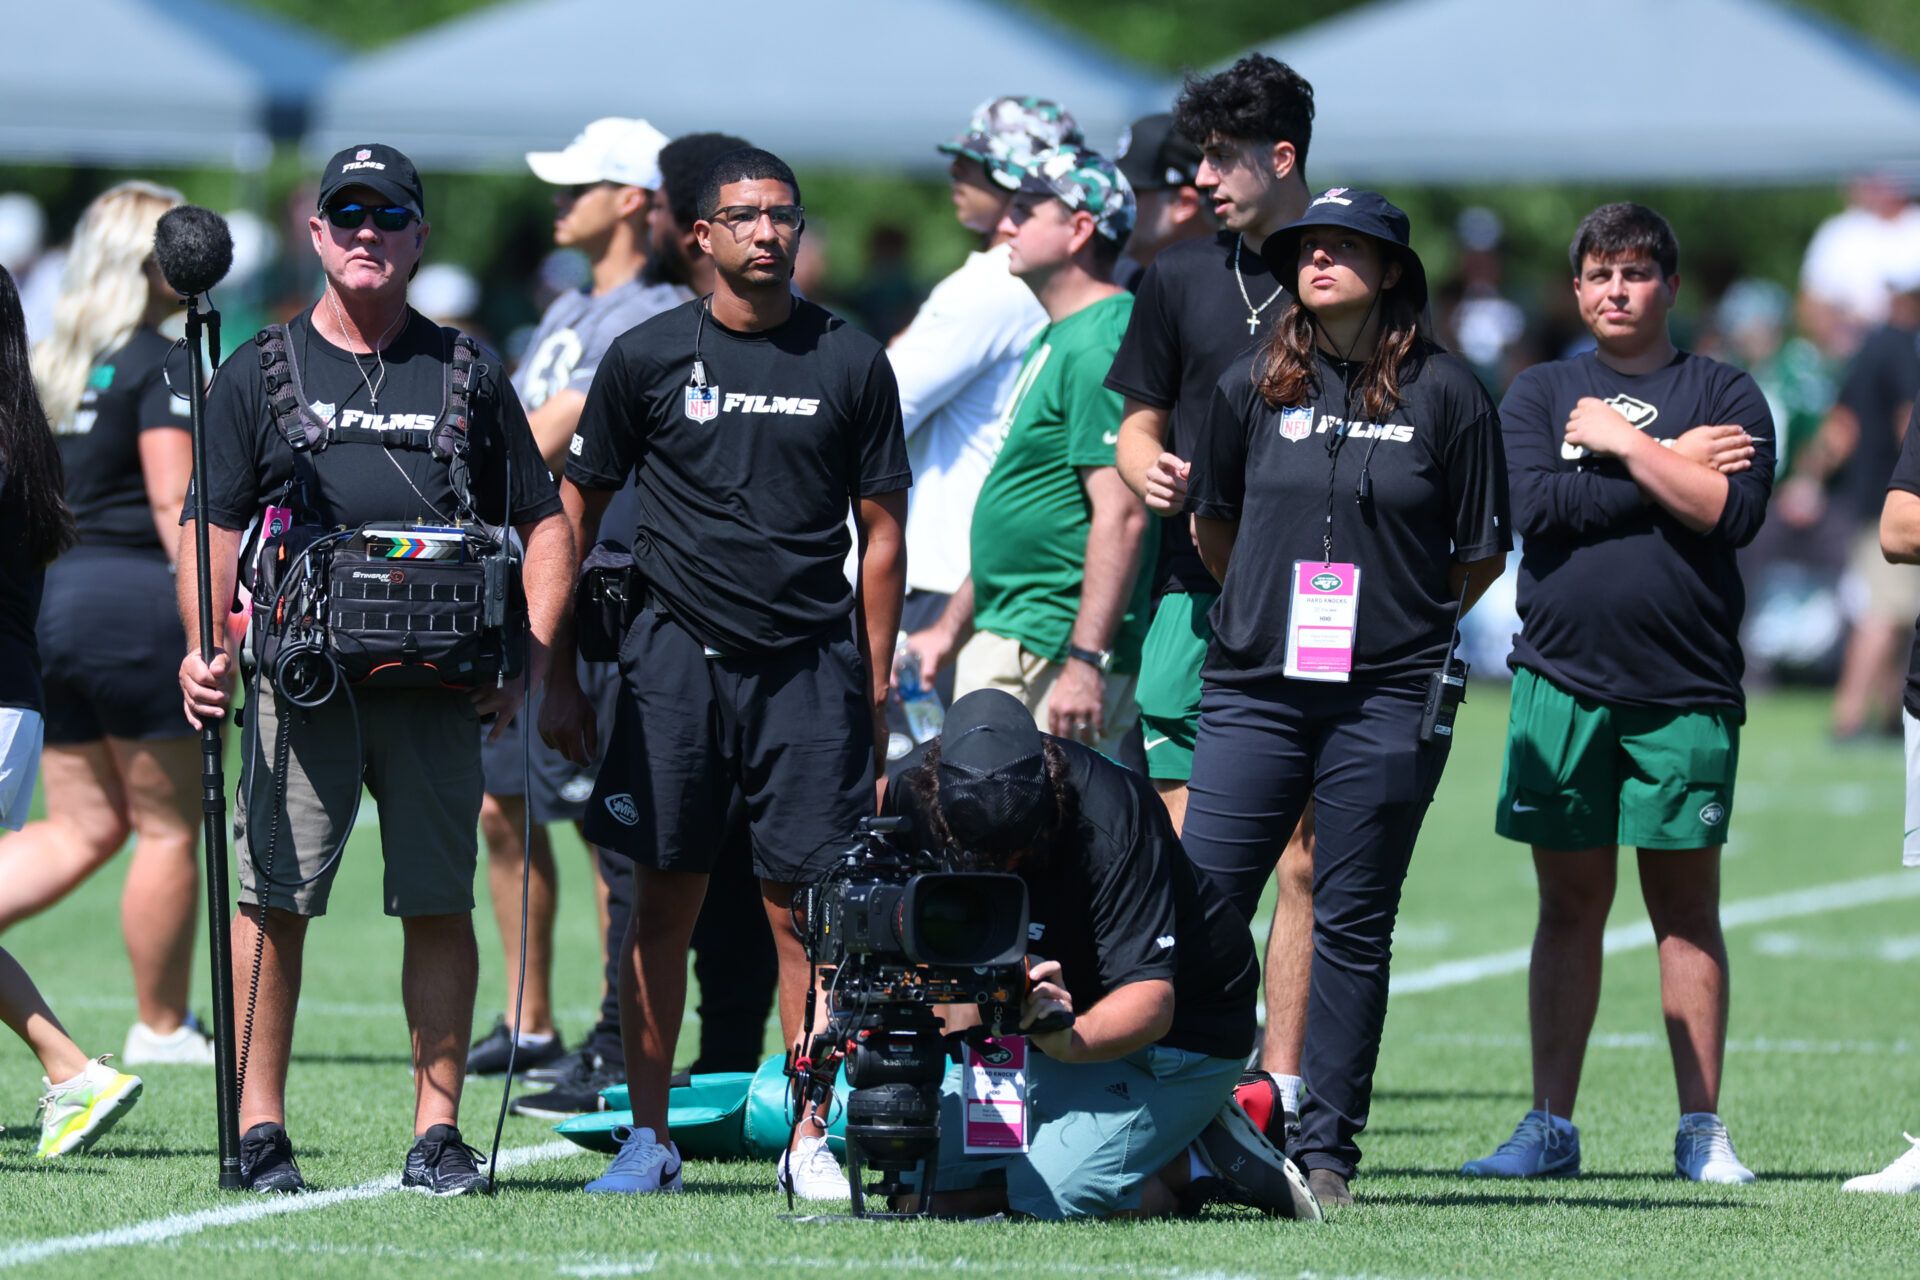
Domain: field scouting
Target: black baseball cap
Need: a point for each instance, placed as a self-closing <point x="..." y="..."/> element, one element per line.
<point x="377" y="167"/>
<point x="1367" y="212"/>
<point x="993" y="774"/>
<point x="1155" y="156"/>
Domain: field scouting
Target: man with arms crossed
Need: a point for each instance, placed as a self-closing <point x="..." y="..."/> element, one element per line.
<point x="753" y="420"/>
<point x="1637" y="471"/>
<point x="1202" y="305"/>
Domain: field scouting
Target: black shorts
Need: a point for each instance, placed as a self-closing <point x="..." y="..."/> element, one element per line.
<point x="791" y="730"/>
<point x="560" y="788"/>
<point x="110" y="647"/>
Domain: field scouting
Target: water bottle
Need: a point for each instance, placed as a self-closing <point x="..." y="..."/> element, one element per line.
<point x="919" y="701"/>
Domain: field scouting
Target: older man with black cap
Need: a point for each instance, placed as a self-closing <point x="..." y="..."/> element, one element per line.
<point x="376" y="388"/>
<point x="1132" y="1110"/>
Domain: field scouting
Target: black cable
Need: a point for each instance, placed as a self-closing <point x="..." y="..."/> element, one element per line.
<point x="526" y="836"/>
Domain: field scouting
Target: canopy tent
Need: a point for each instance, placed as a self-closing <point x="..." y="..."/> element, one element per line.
<point x="846" y="83"/>
<point x="136" y="82"/>
<point x="1724" y="91"/>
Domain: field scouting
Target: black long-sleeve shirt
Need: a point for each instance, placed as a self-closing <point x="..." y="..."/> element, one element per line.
<point x="1619" y="601"/>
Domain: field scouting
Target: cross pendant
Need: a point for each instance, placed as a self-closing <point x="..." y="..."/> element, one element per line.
<point x="1253" y="322"/>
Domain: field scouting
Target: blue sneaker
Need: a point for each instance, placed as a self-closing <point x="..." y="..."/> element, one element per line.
<point x="643" y="1164"/>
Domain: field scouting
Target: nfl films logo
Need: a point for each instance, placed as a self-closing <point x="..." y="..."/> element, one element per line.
<point x="703" y="403"/>
<point x="1296" y="424"/>
<point x="363" y="154"/>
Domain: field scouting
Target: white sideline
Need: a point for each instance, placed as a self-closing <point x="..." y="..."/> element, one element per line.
<point x="176" y="1225"/>
<point x="1635" y="937"/>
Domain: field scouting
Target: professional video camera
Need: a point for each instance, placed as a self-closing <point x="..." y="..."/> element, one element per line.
<point x="894" y="930"/>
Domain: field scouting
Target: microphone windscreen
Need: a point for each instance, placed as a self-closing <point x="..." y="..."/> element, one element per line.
<point x="194" y="248"/>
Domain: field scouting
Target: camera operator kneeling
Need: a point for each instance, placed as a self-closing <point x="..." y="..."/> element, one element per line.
<point x="1131" y="1110"/>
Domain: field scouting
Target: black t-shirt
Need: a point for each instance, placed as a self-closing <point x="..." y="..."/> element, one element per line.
<point x="1906" y="475"/>
<point x="1189" y="324"/>
<point x="744" y="490"/>
<point x="1439" y="496"/>
<point x="20" y="584"/>
<point x="1125" y="905"/>
<point x="126" y="395"/>
<point x="248" y="460"/>
<point x="1619" y="601"/>
<point x="1879" y="389"/>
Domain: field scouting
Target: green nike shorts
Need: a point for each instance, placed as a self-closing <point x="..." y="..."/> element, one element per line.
<point x="1582" y="774"/>
<point x="1169" y="689"/>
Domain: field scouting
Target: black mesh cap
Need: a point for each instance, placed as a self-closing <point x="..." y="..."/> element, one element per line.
<point x="993" y="774"/>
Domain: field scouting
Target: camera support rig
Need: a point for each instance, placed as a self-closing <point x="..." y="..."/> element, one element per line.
<point x="894" y="935"/>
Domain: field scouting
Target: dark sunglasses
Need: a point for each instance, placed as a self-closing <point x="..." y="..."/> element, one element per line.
<point x="350" y="217"/>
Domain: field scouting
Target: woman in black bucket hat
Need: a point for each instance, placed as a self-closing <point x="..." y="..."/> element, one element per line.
<point x="1351" y="496"/>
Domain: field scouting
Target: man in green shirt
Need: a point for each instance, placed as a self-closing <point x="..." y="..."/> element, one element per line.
<point x="1056" y="605"/>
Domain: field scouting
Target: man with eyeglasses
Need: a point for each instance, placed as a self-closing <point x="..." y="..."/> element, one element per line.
<point x="373" y="376"/>
<point x="754" y="420"/>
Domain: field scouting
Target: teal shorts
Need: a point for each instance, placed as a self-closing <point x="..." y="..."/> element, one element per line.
<point x="1582" y="774"/>
<point x="1097" y="1130"/>
<point x="1169" y="689"/>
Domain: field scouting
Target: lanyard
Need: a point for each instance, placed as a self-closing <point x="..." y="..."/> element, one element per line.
<point x="1338" y="436"/>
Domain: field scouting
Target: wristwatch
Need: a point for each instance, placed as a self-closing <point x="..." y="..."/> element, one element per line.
<point x="1099" y="659"/>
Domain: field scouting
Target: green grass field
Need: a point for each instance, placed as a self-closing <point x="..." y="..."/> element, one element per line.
<point x="1821" y="1080"/>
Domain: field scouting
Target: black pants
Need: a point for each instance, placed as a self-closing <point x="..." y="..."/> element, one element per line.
<point x="1354" y="749"/>
<point x="733" y="961"/>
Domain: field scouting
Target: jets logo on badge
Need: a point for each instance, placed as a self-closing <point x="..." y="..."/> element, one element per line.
<point x="996" y="1055"/>
<point x="1325" y="581"/>
<point x="703" y="403"/>
<point x="1296" y="424"/>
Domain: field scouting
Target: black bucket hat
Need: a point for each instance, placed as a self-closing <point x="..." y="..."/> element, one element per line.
<point x="1367" y="212"/>
<point x="993" y="774"/>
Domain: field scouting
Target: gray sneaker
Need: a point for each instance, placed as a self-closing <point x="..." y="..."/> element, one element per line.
<point x="1542" y="1146"/>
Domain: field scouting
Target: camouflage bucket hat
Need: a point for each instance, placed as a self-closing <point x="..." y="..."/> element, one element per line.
<point x="1006" y="134"/>
<point x="1082" y="179"/>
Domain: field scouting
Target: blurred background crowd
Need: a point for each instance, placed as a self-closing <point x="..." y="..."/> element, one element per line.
<point x="1782" y="142"/>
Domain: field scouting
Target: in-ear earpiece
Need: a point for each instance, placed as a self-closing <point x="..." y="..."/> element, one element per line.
<point x="417" y="238"/>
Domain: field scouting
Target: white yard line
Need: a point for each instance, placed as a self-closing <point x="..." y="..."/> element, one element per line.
<point x="1864" y="1050"/>
<point x="1816" y="900"/>
<point x="176" y="1225"/>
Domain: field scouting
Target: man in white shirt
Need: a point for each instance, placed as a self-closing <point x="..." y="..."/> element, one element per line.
<point x="957" y="361"/>
<point x="1851" y="261"/>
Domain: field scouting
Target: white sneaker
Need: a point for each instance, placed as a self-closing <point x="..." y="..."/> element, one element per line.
<point x="1897" y="1179"/>
<point x="643" y="1164"/>
<point x="74" y="1113"/>
<point x="1702" y="1151"/>
<point x="813" y="1172"/>
<point x="186" y="1045"/>
<point x="1542" y="1146"/>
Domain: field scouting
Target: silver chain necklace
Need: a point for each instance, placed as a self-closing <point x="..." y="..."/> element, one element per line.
<point x="374" y="387"/>
<point x="1253" y="312"/>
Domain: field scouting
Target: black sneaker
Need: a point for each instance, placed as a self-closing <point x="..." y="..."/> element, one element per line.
<point x="440" y="1164"/>
<point x="1245" y="1168"/>
<point x="488" y="1056"/>
<point x="1260" y="1098"/>
<point x="575" y="1093"/>
<point x="266" y="1161"/>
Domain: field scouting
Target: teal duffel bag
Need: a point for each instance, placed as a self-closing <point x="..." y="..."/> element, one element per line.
<point x="727" y="1115"/>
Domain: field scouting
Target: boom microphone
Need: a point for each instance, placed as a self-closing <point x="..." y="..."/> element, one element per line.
<point x="194" y="249"/>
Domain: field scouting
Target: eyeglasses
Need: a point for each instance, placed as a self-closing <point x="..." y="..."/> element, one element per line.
<point x="741" y="219"/>
<point x="350" y="217"/>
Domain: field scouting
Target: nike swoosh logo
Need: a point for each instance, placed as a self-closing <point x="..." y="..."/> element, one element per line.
<point x="1525" y="808"/>
<point x="1149" y="743"/>
<point x="1111" y="437"/>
